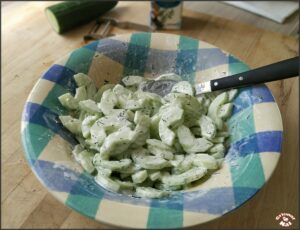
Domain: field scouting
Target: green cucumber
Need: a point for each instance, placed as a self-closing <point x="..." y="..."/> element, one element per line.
<point x="70" y="14"/>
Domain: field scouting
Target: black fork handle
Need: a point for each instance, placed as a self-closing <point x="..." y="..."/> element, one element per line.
<point x="273" y="72"/>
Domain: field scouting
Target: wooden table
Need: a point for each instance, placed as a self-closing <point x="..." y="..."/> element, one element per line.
<point x="30" y="46"/>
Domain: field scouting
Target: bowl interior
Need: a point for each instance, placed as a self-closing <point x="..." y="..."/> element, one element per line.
<point x="255" y="129"/>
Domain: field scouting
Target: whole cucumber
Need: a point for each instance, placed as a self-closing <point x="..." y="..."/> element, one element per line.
<point x="68" y="15"/>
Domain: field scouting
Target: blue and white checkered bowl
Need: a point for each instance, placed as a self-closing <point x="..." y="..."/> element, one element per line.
<point x="255" y="128"/>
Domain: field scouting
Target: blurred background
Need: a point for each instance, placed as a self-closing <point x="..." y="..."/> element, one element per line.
<point x="277" y="16"/>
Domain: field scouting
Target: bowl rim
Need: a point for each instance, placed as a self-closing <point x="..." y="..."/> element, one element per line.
<point x="58" y="197"/>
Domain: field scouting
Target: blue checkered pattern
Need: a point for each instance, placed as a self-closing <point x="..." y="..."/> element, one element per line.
<point x="139" y="56"/>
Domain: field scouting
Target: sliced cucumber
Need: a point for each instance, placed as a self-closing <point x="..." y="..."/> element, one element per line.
<point x="208" y="128"/>
<point x="232" y="93"/>
<point x="217" y="140"/>
<point x="112" y="165"/>
<point x="150" y="192"/>
<point x="214" y="108"/>
<point x="206" y="161"/>
<point x="117" y="142"/>
<point x="160" y="149"/>
<point x="164" y="187"/>
<point x="184" y="165"/>
<point x="172" y="115"/>
<point x="218" y="155"/>
<point x="132" y="80"/>
<point x="155" y="175"/>
<point x="149" y="162"/>
<point x="148" y="141"/>
<point x="139" y="177"/>
<point x="82" y="79"/>
<point x="68" y="101"/>
<point x="225" y="110"/>
<point x="141" y="131"/>
<point x="201" y="145"/>
<point x="217" y="148"/>
<point x="152" y="162"/>
<point x="192" y="108"/>
<point x="91" y="91"/>
<point x="185" y="137"/>
<point x="121" y="91"/>
<point x="86" y="125"/>
<point x="158" y="144"/>
<point x="223" y="134"/>
<point x="169" y="76"/>
<point x="124" y="184"/>
<point x="111" y="123"/>
<point x="196" y="131"/>
<point x="108" y="101"/>
<point x="166" y="135"/>
<point x="103" y="171"/>
<point x="186" y="177"/>
<point x="178" y="158"/>
<point x="107" y="183"/>
<point x="139" y="152"/>
<point x="122" y="94"/>
<point x="89" y="106"/>
<point x="130" y="170"/>
<point x="98" y="133"/>
<point x="98" y="95"/>
<point x="183" y="87"/>
<point x="81" y="93"/>
<point x="177" y="147"/>
<point x="72" y="124"/>
<point x="134" y="104"/>
<point x="85" y="158"/>
<point x="154" y="130"/>
<point x="77" y="149"/>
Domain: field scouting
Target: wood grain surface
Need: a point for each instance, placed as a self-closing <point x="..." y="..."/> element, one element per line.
<point x="30" y="46"/>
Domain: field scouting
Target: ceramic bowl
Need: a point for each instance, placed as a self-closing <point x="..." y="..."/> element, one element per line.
<point x="255" y="132"/>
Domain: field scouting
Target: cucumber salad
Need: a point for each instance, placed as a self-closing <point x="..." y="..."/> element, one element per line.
<point x="140" y="143"/>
